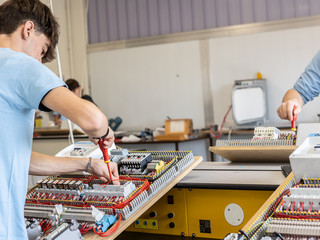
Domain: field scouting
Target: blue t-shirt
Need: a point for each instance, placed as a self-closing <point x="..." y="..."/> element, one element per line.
<point x="24" y="82"/>
<point x="308" y="85"/>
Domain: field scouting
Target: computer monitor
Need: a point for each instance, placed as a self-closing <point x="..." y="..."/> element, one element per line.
<point x="249" y="106"/>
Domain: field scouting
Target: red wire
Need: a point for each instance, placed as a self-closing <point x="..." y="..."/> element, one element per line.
<point x="276" y="203"/>
<point x="145" y="186"/>
<point x="310" y="209"/>
<point x="223" y="122"/>
<point x="282" y="215"/>
<point x="84" y="229"/>
<point x="47" y="227"/>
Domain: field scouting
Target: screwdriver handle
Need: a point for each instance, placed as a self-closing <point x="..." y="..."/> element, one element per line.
<point x="104" y="152"/>
<point x="294" y="119"/>
<point x="105" y="156"/>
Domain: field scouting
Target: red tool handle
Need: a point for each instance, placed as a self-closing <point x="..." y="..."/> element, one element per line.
<point x="105" y="156"/>
<point x="104" y="152"/>
<point x="294" y="119"/>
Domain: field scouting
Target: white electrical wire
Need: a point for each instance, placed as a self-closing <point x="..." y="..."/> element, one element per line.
<point x="60" y="75"/>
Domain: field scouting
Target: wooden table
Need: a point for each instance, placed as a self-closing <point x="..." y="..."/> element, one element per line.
<point x="55" y="131"/>
<point x="125" y="223"/>
<point x="198" y="145"/>
<point x="254" y="153"/>
<point x="175" y="141"/>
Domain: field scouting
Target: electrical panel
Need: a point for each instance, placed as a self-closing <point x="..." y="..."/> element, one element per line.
<point x="94" y="204"/>
<point x="263" y="136"/>
<point x="293" y="211"/>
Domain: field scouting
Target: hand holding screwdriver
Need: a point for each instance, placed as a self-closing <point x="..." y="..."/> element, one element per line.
<point x="104" y="144"/>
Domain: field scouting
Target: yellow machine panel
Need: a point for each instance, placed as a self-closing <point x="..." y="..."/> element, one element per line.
<point x="146" y="223"/>
<point x="170" y="212"/>
<point x="201" y="212"/>
<point x="208" y="210"/>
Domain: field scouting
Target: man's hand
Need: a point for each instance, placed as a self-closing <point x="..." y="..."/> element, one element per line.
<point x="100" y="168"/>
<point x="290" y="99"/>
<point x="107" y="142"/>
<point x="285" y="110"/>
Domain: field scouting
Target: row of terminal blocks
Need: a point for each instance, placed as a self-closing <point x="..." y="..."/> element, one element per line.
<point x="80" y="151"/>
<point x="94" y="198"/>
<point x="68" y="231"/>
<point x="294" y="227"/>
<point x="57" y="186"/>
<point x="301" y="199"/>
<point x="272" y="133"/>
<point x="136" y="160"/>
<point x="130" y="163"/>
<point x="266" y="133"/>
<point x="60" y="184"/>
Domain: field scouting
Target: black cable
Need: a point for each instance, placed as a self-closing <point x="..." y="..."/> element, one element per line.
<point x="243" y="233"/>
<point x="279" y="235"/>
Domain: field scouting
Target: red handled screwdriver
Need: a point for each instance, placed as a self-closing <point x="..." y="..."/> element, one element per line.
<point x="105" y="156"/>
<point x="294" y="119"/>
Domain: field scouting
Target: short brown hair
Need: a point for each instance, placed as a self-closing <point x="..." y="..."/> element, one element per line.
<point x="72" y="84"/>
<point x="14" y="13"/>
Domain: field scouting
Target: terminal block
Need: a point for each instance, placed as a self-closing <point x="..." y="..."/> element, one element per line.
<point x="134" y="163"/>
<point x="79" y="151"/>
<point x="60" y="184"/>
<point x="65" y="231"/>
<point x="294" y="227"/>
<point x="34" y="230"/>
<point x="266" y="133"/>
<point x="117" y="154"/>
<point x="116" y="190"/>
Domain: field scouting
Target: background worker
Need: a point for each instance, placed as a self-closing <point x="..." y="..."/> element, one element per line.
<point x="74" y="87"/>
<point x="28" y="36"/>
<point x="306" y="88"/>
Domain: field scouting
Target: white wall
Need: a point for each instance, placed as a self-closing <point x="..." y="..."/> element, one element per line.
<point x="281" y="56"/>
<point x="72" y="44"/>
<point x="141" y="84"/>
<point x="60" y="11"/>
<point x="145" y="85"/>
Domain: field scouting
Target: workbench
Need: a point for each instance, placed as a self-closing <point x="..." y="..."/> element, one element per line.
<point x="198" y="145"/>
<point x="202" y="197"/>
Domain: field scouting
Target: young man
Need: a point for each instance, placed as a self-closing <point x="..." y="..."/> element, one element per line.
<point x="306" y="88"/>
<point x="28" y="36"/>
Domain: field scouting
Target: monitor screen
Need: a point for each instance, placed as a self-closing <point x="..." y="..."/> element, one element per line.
<point x="248" y="105"/>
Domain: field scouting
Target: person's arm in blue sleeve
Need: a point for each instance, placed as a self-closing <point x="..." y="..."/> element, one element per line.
<point x="306" y="88"/>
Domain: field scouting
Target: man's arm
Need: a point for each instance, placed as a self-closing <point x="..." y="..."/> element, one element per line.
<point x="42" y="164"/>
<point x="91" y="120"/>
<point x="83" y="113"/>
<point x="290" y="99"/>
